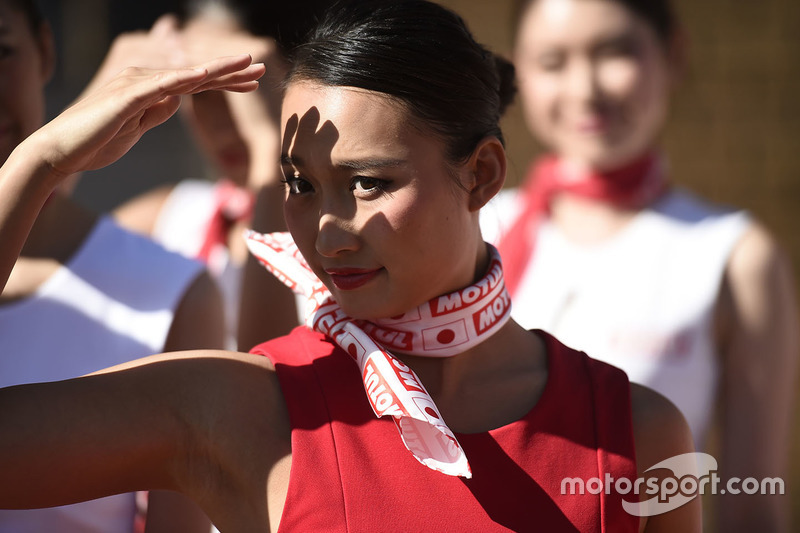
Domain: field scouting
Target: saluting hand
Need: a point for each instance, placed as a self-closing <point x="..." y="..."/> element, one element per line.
<point x="103" y="126"/>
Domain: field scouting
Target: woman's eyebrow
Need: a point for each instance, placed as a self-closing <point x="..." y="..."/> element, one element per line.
<point x="370" y="163"/>
<point x="351" y="164"/>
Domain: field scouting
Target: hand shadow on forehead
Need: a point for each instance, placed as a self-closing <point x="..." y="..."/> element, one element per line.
<point x="307" y="139"/>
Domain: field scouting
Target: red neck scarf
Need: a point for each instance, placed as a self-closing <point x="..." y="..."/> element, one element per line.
<point x="444" y="327"/>
<point x="232" y="204"/>
<point x="633" y="186"/>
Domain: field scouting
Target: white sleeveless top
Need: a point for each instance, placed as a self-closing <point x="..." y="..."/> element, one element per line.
<point x="643" y="300"/>
<point x="113" y="302"/>
<point x="181" y="227"/>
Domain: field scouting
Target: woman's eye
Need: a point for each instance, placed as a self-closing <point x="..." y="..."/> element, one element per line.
<point x="366" y="185"/>
<point x="550" y="62"/>
<point x="297" y="185"/>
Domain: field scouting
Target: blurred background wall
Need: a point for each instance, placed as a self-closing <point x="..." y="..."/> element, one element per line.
<point x="733" y="136"/>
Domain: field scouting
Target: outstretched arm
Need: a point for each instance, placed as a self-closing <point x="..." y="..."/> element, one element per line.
<point x="97" y="131"/>
<point x="208" y="424"/>
<point x="759" y="345"/>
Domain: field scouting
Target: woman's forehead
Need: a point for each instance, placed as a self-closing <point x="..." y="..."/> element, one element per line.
<point x="344" y="106"/>
<point x="548" y="20"/>
<point x="345" y="120"/>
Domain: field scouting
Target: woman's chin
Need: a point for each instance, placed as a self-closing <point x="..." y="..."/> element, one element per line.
<point x="369" y="310"/>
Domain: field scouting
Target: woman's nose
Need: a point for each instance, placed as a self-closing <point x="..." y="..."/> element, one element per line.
<point x="581" y="82"/>
<point x="336" y="235"/>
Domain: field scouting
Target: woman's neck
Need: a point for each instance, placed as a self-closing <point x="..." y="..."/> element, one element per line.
<point x="603" y="200"/>
<point x="489" y="385"/>
<point x="588" y="221"/>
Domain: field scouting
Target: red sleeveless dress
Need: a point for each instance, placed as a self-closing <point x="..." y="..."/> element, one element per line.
<point x="350" y="471"/>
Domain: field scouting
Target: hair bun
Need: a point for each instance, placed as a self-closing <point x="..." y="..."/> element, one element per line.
<point x="507" y="88"/>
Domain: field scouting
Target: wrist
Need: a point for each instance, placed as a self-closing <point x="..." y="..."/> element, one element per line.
<point x="29" y="171"/>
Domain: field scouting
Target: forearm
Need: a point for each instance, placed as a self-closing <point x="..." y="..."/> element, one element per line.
<point x="71" y="441"/>
<point x="26" y="181"/>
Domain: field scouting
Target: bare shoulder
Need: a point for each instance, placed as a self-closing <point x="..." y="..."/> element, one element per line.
<point x="199" y="320"/>
<point x="229" y="404"/>
<point x="661" y="433"/>
<point x="140" y="213"/>
<point x="757" y="257"/>
<point x="660" y="430"/>
<point x="757" y="306"/>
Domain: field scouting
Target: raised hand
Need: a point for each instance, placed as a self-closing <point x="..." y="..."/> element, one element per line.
<point x="104" y="125"/>
<point x="95" y="132"/>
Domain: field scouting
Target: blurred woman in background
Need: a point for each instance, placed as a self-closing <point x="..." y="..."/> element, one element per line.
<point x="691" y="299"/>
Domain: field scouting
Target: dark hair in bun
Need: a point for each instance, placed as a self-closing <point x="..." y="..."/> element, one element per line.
<point x="420" y="54"/>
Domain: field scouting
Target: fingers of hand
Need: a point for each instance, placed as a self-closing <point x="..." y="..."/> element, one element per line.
<point x="240" y="81"/>
<point x="149" y="86"/>
<point x="159" y="112"/>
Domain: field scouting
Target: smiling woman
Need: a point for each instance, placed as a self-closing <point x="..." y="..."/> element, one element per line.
<point x="605" y="252"/>
<point x="390" y="147"/>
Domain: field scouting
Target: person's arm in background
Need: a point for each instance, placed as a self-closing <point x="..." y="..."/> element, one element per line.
<point x="198" y="324"/>
<point x="759" y="332"/>
<point x="267" y="306"/>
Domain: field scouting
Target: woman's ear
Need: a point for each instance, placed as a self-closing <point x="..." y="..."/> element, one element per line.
<point x="487" y="166"/>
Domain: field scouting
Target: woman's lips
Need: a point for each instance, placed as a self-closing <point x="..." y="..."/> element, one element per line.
<point x="348" y="279"/>
<point x="592" y="126"/>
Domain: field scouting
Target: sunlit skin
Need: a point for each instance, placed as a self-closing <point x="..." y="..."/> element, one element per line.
<point x="372" y="203"/>
<point x="26" y="65"/>
<point x="594" y="80"/>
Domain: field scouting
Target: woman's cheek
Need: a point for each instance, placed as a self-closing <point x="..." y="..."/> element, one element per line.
<point x="300" y="225"/>
<point x="621" y="80"/>
<point x="541" y="99"/>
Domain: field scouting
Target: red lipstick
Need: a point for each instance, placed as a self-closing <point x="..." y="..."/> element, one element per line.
<point x="348" y="279"/>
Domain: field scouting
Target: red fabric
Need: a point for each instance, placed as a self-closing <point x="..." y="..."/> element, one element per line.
<point x="350" y="472"/>
<point x="633" y="187"/>
<point x="232" y="204"/>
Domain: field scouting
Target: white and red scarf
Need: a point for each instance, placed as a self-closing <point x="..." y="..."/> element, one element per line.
<point x="231" y="204"/>
<point x="633" y="186"/>
<point x="443" y="327"/>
